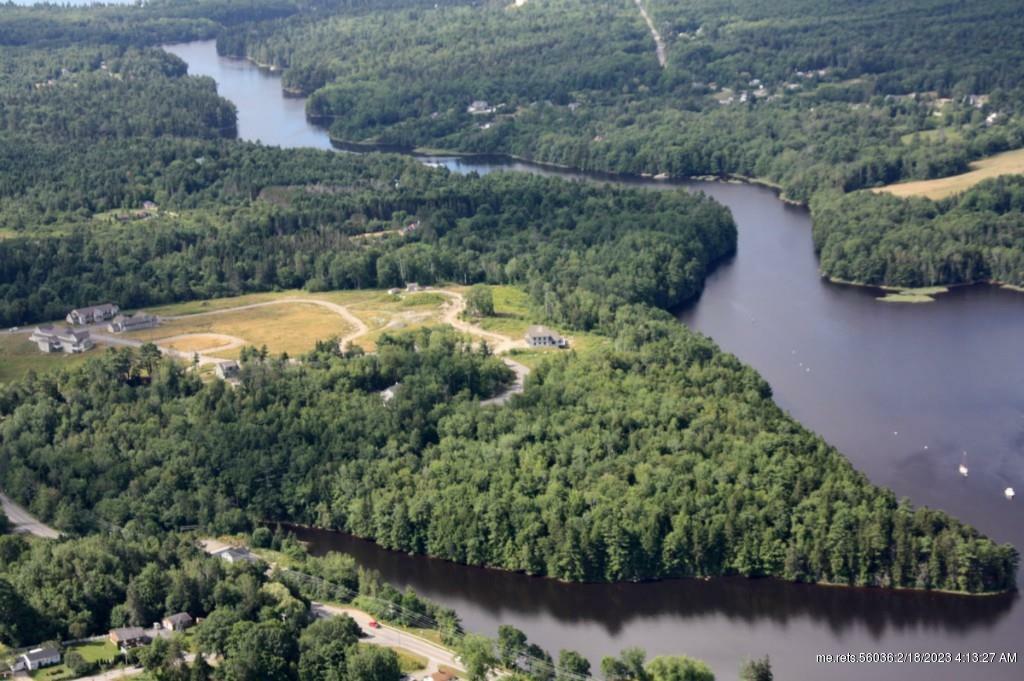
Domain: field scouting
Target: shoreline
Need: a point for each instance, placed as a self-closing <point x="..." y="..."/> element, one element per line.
<point x="920" y="294"/>
<point x="651" y="580"/>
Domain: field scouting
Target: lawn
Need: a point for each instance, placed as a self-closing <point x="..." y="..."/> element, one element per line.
<point x="91" y="651"/>
<point x="1007" y="163"/>
<point x="18" y="356"/>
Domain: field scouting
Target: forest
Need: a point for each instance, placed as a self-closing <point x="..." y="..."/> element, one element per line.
<point x="251" y="218"/>
<point x="808" y="97"/>
<point x="660" y="457"/>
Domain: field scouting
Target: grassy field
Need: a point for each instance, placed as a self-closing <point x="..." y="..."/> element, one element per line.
<point x="1008" y="163"/>
<point x="290" y="327"/>
<point x="92" y="651"/>
<point x="512" y="318"/>
<point x="18" y="356"/>
<point x="409" y="661"/>
<point x="936" y="135"/>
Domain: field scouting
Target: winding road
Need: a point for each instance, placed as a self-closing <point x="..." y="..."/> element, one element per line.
<point x="499" y="342"/>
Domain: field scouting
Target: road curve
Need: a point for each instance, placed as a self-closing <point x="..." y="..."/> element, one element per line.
<point x="360" y="327"/>
<point x="499" y="344"/>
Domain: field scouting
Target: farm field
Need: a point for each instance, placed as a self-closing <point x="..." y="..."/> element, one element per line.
<point x="1007" y="163"/>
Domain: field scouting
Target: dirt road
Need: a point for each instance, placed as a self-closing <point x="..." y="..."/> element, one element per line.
<point x="658" y="41"/>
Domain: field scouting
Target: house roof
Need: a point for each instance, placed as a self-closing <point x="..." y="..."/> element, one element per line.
<point x="179" y="618"/>
<point x="442" y="675"/>
<point x="128" y="633"/>
<point x="540" y="332"/>
<point x="37" y="654"/>
<point x="234" y="553"/>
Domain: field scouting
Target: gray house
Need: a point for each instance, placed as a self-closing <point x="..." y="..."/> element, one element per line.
<point x="178" y="622"/>
<point x="227" y="369"/>
<point x="543" y="337"/>
<point x="139" y="320"/>
<point x="128" y="637"/>
<point x="93" y="315"/>
<point x="37" y="658"/>
<point x="233" y="554"/>
<point x="62" y="339"/>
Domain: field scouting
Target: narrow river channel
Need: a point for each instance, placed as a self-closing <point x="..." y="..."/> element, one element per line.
<point x="902" y="390"/>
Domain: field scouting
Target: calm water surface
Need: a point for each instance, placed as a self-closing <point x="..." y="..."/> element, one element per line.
<point x="902" y="390"/>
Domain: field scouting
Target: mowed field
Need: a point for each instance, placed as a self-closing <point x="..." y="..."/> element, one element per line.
<point x="18" y="356"/>
<point x="1007" y="163"/>
<point x="288" y="327"/>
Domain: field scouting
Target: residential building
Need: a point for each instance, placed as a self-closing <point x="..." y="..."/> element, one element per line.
<point x="178" y="622"/>
<point x="389" y="393"/>
<point x="40" y="657"/>
<point x="227" y="370"/>
<point x="139" y="320"/>
<point x="479" y="107"/>
<point x="93" y="315"/>
<point x="234" y="554"/>
<point x="543" y="337"/>
<point x="62" y="339"/>
<point x="128" y="637"/>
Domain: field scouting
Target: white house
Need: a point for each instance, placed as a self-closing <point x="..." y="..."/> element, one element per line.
<point x="543" y="337"/>
<point x="40" y="657"/>
<point x="64" y="339"/>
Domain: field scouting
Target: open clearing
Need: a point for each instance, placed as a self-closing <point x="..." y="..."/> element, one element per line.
<point x="19" y="355"/>
<point x="293" y="328"/>
<point x="1007" y="163"/>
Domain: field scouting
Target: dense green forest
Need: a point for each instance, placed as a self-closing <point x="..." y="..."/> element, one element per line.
<point x="254" y="219"/>
<point x="810" y="97"/>
<point x="976" y="236"/>
<point x="89" y="93"/>
<point x="662" y="458"/>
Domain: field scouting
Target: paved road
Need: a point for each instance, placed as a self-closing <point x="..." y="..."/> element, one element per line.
<point x="23" y="521"/>
<point x="659" y="43"/>
<point x="391" y="637"/>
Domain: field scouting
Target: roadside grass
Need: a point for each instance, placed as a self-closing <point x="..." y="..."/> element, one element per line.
<point x="1007" y="163"/>
<point x="409" y="661"/>
<point x="292" y="327"/>
<point x="18" y="356"/>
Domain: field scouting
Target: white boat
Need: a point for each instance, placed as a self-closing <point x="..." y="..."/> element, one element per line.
<point x="1009" y="493"/>
<point x="963" y="465"/>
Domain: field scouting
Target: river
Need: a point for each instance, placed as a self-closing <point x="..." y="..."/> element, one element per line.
<point x="901" y="389"/>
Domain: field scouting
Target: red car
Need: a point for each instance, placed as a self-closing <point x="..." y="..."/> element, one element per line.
<point x="374" y="625"/>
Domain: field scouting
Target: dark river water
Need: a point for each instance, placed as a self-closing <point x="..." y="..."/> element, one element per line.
<point x="901" y="389"/>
